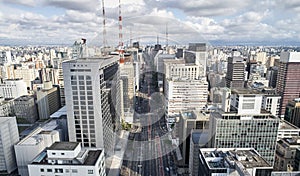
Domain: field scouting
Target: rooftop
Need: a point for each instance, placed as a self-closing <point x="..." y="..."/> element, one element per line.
<point x="233" y="115"/>
<point x="290" y="141"/>
<point x="64" y="146"/>
<point x="62" y="111"/>
<point x="195" y="115"/>
<point x="245" y="91"/>
<point x="229" y="157"/>
<point x="200" y="137"/>
<point x="5" y="119"/>
<point x="103" y="61"/>
<point x="91" y="159"/>
<point x="32" y="134"/>
<point x="284" y="125"/>
<point x="24" y="98"/>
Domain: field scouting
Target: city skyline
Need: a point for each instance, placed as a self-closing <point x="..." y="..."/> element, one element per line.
<point x="63" y="22"/>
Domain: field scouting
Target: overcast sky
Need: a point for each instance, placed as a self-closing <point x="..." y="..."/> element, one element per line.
<point x="64" y="21"/>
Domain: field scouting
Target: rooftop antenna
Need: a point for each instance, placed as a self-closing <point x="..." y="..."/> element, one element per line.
<point x="130" y="44"/>
<point x="104" y="42"/>
<point x="104" y="25"/>
<point x="167" y="35"/>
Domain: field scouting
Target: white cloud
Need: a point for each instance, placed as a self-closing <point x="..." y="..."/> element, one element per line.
<point x="212" y="20"/>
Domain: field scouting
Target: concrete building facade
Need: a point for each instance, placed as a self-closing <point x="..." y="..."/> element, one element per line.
<point x="9" y="136"/>
<point x="30" y="146"/>
<point x="13" y="88"/>
<point x="25" y="108"/>
<point x="235" y="77"/>
<point x="48" y="101"/>
<point x="285" y="154"/>
<point x="87" y="91"/>
<point x="257" y="131"/>
<point x="185" y="95"/>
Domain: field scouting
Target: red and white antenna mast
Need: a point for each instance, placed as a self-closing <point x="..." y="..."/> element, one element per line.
<point x="121" y="49"/>
<point x="120" y="26"/>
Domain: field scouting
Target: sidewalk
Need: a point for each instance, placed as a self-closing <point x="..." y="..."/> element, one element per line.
<point x="117" y="158"/>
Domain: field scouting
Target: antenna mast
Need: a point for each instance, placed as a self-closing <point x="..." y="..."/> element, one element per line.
<point x="120" y="27"/>
<point x="167" y="35"/>
<point x="104" y="25"/>
<point x="121" y="49"/>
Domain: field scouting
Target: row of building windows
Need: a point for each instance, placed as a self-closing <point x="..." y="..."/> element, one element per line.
<point x="61" y="170"/>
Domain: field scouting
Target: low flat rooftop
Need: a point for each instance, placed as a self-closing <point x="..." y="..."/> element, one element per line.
<point x="284" y="125"/>
<point x="61" y="112"/>
<point x="222" y="157"/>
<point x="233" y="115"/>
<point x="92" y="157"/>
<point x="245" y="91"/>
<point x="90" y="160"/>
<point x="24" y="98"/>
<point x="290" y="141"/>
<point x="64" y="146"/>
<point x="102" y="60"/>
<point x="200" y="137"/>
<point x="195" y="115"/>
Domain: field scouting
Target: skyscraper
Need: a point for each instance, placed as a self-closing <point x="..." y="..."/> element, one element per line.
<point x="88" y="83"/>
<point x="256" y="131"/>
<point x="235" y="77"/>
<point x="292" y="112"/>
<point x="245" y="125"/>
<point x="288" y="84"/>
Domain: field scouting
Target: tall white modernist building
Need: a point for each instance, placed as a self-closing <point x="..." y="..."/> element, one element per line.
<point x="87" y="84"/>
<point x="185" y="85"/>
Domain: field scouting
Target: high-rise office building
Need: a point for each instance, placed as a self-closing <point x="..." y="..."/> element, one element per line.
<point x="25" y="108"/>
<point x="199" y="139"/>
<point x="9" y="136"/>
<point x="185" y="95"/>
<point x="272" y="76"/>
<point x="235" y="77"/>
<point x="188" y="121"/>
<point x="48" y="100"/>
<point x="242" y="131"/>
<point x="197" y="53"/>
<point x="288" y="86"/>
<point x="244" y="124"/>
<point x="88" y="83"/>
<point x="292" y="112"/>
